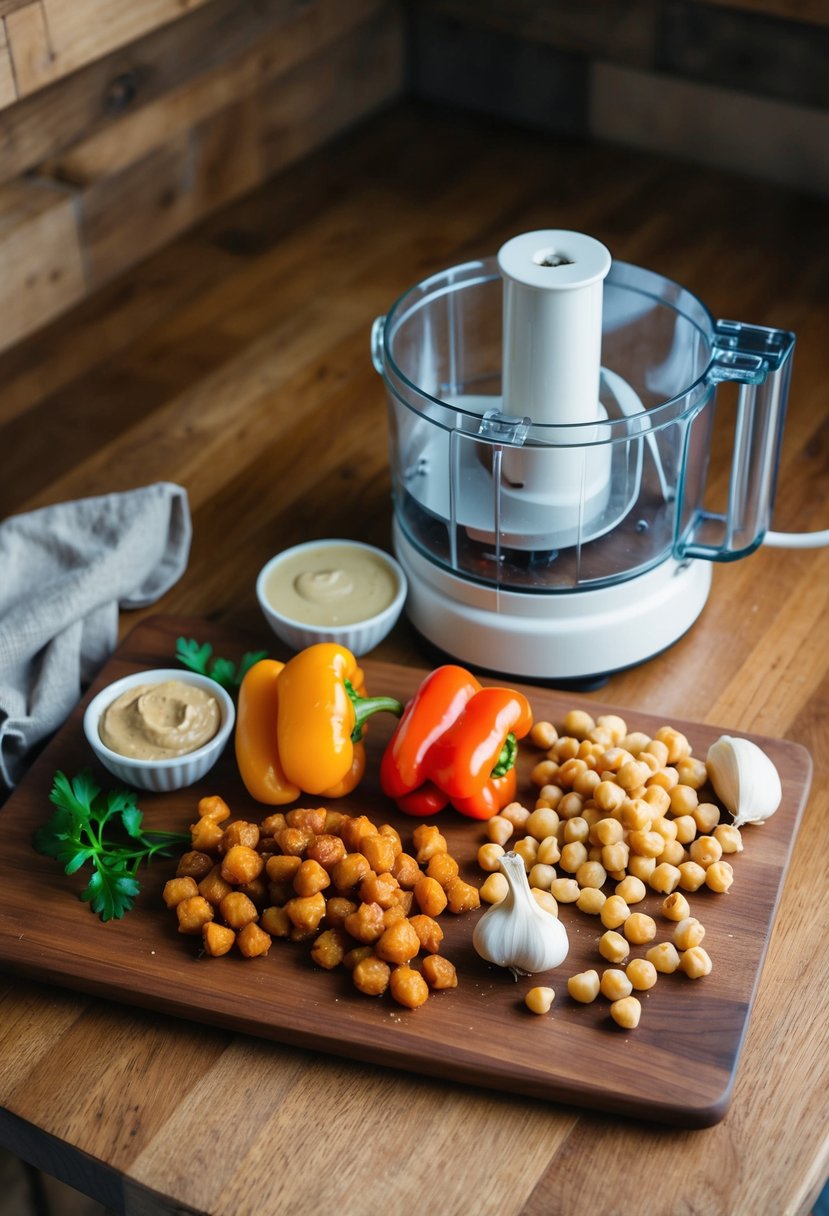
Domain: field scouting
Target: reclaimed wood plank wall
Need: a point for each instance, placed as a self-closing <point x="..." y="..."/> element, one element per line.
<point x="120" y="129"/>
<point x="124" y="122"/>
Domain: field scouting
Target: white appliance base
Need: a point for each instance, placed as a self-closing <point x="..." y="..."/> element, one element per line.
<point x="542" y="636"/>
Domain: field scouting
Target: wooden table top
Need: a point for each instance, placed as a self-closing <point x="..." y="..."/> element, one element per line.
<point x="236" y="363"/>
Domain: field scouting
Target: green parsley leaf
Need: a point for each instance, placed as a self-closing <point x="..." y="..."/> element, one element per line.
<point x="200" y="658"/>
<point x="104" y="831"/>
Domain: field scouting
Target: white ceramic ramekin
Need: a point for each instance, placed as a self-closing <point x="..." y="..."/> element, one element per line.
<point x="160" y="776"/>
<point x="360" y="637"/>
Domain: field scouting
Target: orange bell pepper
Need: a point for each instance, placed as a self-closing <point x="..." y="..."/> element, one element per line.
<point x="300" y="725"/>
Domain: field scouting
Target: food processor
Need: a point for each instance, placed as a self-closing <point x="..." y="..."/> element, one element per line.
<point x="551" y="415"/>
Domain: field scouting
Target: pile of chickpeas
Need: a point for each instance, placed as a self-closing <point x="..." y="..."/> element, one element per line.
<point x="334" y="879"/>
<point x="617" y="809"/>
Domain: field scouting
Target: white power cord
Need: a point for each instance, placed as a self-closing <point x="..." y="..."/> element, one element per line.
<point x="797" y="540"/>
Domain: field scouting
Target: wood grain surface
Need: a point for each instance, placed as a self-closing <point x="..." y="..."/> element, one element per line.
<point x="678" y="1067"/>
<point x="236" y="363"/>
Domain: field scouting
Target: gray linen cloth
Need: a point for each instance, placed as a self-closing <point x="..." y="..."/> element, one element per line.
<point x="64" y="572"/>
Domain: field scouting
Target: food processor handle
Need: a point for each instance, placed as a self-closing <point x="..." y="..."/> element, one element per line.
<point x="759" y="360"/>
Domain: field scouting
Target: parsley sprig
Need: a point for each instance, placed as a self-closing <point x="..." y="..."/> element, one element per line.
<point x="223" y="671"/>
<point x="105" y="831"/>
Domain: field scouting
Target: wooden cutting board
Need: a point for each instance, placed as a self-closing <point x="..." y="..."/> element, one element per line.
<point x="677" y="1067"/>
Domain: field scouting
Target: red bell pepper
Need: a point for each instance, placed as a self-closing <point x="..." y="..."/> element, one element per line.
<point x="456" y="742"/>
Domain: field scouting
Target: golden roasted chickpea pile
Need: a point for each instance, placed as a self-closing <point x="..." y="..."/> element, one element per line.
<point x="331" y="878"/>
<point x="617" y="816"/>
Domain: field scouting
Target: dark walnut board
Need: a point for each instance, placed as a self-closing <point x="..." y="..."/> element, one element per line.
<point x="677" y="1067"/>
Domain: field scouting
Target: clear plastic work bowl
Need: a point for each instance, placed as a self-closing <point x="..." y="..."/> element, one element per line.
<point x="508" y="502"/>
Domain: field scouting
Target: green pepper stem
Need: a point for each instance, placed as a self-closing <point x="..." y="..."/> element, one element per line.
<point x="364" y="707"/>
<point x="507" y="756"/>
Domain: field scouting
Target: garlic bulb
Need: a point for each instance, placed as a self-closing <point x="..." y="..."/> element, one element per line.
<point x="518" y="933"/>
<point x="744" y="779"/>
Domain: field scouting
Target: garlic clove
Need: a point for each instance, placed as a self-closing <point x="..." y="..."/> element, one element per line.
<point x="517" y="932"/>
<point x="744" y="779"/>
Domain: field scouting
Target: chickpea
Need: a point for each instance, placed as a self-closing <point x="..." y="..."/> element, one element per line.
<point x="217" y="939"/>
<point x="665" y="878"/>
<point x="691" y="876"/>
<point x="686" y="828"/>
<point x="684" y="800"/>
<point x="310" y="878"/>
<point x="642" y="974"/>
<point x="585" y="785"/>
<point x="639" y="928"/>
<point x="408" y="987"/>
<point x="543" y="735"/>
<point x="195" y="865"/>
<point x="539" y="1000"/>
<point x="706" y="816"/>
<point x="695" y="962"/>
<point x="177" y="889"/>
<point x="544" y="772"/>
<point x="636" y="815"/>
<point x="499" y="830"/>
<point x="658" y="798"/>
<point x="677" y="744"/>
<point x="719" y="876"/>
<point x="527" y="850"/>
<point x="429" y="932"/>
<point x="676" y="907"/>
<point x="728" y="838"/>
<point x="626" y="1012"/>
<point x="428" y="840"/>
<point x="569" y="771"/>
<point x="542" y="823"/>
<point x="565" y="890"/>
<point x="615" y="984"/>
<point x="565" y="748"/>
<point x="193" y="913"/>
<point x="489" y="857"/>
<point x="615" y="725"/>
<point x="664" y="957"/>
<point x="646" y="843"/>
<point x="516" y="814"/>
<point x="548" y="851"/>
<point x="549" y="796"/>
<point x="631" y="889"/>
<point x="591" y="874"/>
<point x="351" y="871"/>
<point x="692" y="771"/>
<point x="237" y="910"/>
<point x="673" y="853"/>
<point x="632" y="774"/>
<point x="608" y="796"/>
<point x="591" y="900"/>
<point x="584" y="986"/>
<point x="380" y="889"/>
<point x="330" y="948"/>
<point x="439" y="973"/>
<point x="405" y="870"/>
<point x="366" y="924"/>
<point x="688" y="933"/>
<point x="430" y="896"/>
<point x="545" y="900"/>
<point x="573" y="855"/>
<point x="607" y="831"/>
<point x="494" y="889"/>
<point x="613" y="947"/>
<point x="578" y="723"/>
<point x="576" y="830"/>
<point x="615" y="856"/>
<point x="542" y="876"/>
<point x="659" y="749"/>
<point x="641" y="867"/>
<point x="325" y="849"/>
<point x="253" y="942"/>
<point x="663" y="778"/>
<point x="635" y="742"/>
<point x="379" y="852"/>
<point x="705" y="850"/>
<point x="399" y="943"/>
<point x="571" y="805"/>
<point x="276" y="922"/>
<point x="461" y="896"/>
<point x="371" y="975"/>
